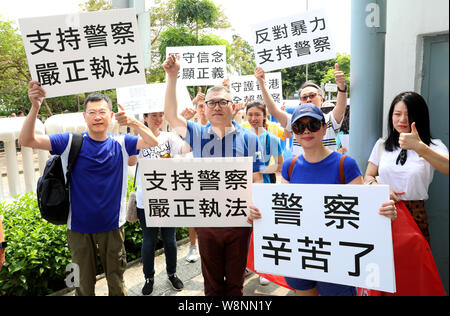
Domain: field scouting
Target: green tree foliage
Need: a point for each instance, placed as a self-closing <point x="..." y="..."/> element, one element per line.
<point x="96" y="5"/>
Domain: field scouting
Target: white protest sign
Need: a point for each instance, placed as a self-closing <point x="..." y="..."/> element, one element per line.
<point x="328" y="233"/>
<point x="207" y="192"/>
<point x="293" y="41"/>
<point x="201" y="65"/>
<point x="150" y="98"/>
<point x="243" y="87"/>
<point x="85" y="52"/>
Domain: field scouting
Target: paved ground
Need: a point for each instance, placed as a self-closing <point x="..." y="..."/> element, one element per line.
<point x="189" y="273"/>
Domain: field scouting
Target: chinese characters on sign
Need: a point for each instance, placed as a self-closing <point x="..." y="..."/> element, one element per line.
<point x="201" y="65"/>
<point x="293" y="41"/>
<point x="95" y="51"/>
<point x="150" y="98"/>
<point x="209" y="192"/>
<point x="248" y="87"/>
<point x="328" y="233"/>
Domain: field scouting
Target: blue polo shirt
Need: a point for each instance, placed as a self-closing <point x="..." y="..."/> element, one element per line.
<point x="237" y="143"/>
<point x="98" y="185"/>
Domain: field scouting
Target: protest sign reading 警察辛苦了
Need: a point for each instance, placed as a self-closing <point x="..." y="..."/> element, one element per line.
<point x="327" y="233"/>
<point x="201" y="65"/>
<point x="207" y="192"/>
<point x="85" y="52"/>
<point x="293" y="41"/>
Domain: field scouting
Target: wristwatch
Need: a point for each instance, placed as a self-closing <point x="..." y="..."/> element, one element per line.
<point x="3" y="244"/>
<point x="345" y="90"/>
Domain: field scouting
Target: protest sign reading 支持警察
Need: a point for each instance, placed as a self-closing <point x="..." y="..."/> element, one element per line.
<point x="243" y="87"/>
<point x="207" y="192"/>
<point x="92" y="51"/>
<point x="150" y="98"/>
<point x="201" y="65"/>
<point x="327" y="233"/>
<point x="293" y="41"/>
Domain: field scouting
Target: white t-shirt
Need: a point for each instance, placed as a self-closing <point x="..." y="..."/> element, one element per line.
<point x="414" y="178"/>
<point x="329" y="140"/>
<point x="170" y="145"/>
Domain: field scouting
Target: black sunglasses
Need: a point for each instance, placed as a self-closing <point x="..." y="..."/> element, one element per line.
<point x="402" y="157"/>
<point x="313" y="126"/>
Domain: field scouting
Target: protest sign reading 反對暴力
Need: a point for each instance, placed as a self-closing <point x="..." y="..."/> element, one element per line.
<point x="328" y="233"/>
<point x="150" y="98"/>
<point x="293" y="41"/>
<point x="244" y="87"/>
<point x="92" y="51"/>
<point x="201" y="65"/>
<point x="207" y="192"/>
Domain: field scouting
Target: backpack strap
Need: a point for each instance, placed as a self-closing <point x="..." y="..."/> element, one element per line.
<point x="291" y="167"/>
<point x="342" y="169"/>
<point x="75" y="148"/>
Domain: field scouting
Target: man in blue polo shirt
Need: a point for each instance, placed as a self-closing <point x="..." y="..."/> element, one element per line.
<point x="98" y="186"/>
<point x="223" y="251"/>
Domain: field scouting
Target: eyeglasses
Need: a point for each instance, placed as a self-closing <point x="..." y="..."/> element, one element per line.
<point x="402" y="157"/>
<point x="222" y="103"/>
<point x="93" y="113"/>
<point x="309" y="96"/>
<point x="312" y="126"/>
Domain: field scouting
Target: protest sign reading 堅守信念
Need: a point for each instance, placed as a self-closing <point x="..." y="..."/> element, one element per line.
<point x="201" y="65"/>
<point x="327" y="233"/>
<point x="207" y="192"/>
<point x="293" y="41"/>
<point x="244" y="87"/>
<point x="93" y="51"/>
<point x="149" y="98"/>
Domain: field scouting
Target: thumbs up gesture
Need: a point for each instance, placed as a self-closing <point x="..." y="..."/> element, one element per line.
<point x="412" y="141"/>
<point x="339" y="76"/>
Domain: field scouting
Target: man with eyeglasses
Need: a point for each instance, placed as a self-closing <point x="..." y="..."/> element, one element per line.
<point x="310" y="93"/>
<point x="98" y="186"/>
<point x="223" y="251"/>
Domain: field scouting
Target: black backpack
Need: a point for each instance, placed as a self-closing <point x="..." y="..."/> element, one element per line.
<point x="53" y="192"/>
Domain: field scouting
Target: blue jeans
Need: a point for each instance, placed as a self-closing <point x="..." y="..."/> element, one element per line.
<point x="149" y="244"/>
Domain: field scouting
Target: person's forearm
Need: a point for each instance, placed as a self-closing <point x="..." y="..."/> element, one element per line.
<point x="171" y="102"/>
<point x="438" y="161"/>
<point x="27" y="137"/>
<point x="341" y="107"/>
<point x="145" y="133"/>
<point x="274" y="110"/>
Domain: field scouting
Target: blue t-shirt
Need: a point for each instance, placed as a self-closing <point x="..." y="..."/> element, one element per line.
<point x="324" y="172"/>
<point x="99" y="181"/>
<point x="238" y="143"/>
<point x="272" y="147"/>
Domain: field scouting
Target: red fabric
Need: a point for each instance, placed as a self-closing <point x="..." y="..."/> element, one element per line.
<point x="272" y="278"/>
<point x="415" y="270"/>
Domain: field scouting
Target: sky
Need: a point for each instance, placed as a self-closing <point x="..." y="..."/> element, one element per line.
<point x="242" y="14"/>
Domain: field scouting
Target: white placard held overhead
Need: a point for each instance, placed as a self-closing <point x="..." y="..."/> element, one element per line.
<point x="150" y="98"/>
<point x="293" y="41"/>
<point x="206" y="192"/>
<point x="243" y="87"/>
<point x="85" y="52"/>
<point x="328" y="233"/>
<point x="201" y="65"/>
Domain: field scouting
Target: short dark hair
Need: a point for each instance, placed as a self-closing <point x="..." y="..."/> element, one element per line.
<point x="96" y="97"/>
<point x="417" y="112"/>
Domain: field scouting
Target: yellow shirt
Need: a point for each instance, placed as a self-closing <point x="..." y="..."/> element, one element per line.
<point x="274" y="128"/>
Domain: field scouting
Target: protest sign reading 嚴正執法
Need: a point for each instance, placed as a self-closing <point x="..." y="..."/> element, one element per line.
<point x="293" y="41"/>
<point x="243" y="87"/>
<point x="327" y="233"/>
<point x="206" y="192"/>
<point x="84" y="52"/>
<point x="201" y="65"/>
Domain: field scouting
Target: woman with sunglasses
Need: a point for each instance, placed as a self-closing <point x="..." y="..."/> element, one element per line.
<point x="319" y="165"/>
<point x="407" y="159"/>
